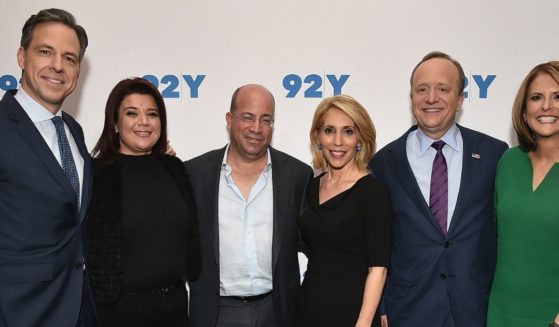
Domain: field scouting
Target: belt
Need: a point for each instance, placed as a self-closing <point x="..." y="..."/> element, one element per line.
<point x="165" y="290"/>
<point x="250" y="298"/>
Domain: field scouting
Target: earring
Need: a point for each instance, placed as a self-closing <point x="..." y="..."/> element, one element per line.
<point x="319" y="146"/>
<point x="358" y="148"/>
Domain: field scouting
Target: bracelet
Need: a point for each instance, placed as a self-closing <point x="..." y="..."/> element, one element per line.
<point x="553" y="324"/>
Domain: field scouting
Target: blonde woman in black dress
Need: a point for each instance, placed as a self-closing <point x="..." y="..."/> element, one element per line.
<point x="347" y="225"/>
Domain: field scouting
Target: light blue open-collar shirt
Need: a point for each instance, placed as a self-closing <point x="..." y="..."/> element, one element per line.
<point x="245" y="234"/>
<point x="421" y="155"/>
<point x="41" y="118"/>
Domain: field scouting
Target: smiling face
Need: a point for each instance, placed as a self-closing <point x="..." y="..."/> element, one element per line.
<point x="50" y="64"/>
<point x="339" y="138"/>
<point x="436" y="97"/>
<point x="250" y="138"/>
<point x="542" y="107"/>
<point x="139" y="126"/>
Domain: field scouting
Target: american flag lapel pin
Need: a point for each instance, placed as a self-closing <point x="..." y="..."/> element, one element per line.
<point x="476" y="156"/>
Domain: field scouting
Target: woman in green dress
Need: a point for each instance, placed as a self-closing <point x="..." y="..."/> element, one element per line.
<point x="525" y="289"/>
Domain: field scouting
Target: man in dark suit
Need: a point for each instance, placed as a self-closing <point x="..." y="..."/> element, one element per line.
<point x="44" y="182"/>
<point x="441" y="177"/>
<point x="249" y="197"/>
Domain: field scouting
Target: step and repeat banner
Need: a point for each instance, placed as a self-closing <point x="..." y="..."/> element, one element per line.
<point x="199" y="51"/>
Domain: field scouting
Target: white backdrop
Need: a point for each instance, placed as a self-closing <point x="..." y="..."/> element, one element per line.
<point x="220" y="45"/>
<point x="230" y="43"/>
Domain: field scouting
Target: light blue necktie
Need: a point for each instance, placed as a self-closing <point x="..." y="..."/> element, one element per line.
<point x="68" y="163"/>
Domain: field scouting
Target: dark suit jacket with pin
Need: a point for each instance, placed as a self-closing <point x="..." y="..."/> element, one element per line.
<point x="430" y="271"/>
<point x="41" y="242"/>
<point x="290" y="177"/>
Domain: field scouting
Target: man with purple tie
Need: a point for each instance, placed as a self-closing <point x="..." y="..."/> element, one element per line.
<point x="441" y="178"/>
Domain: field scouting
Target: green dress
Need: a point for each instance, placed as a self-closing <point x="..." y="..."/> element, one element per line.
<point x="525" y="289"/>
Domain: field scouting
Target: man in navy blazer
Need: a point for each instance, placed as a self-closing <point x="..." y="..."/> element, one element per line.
<point x="441" y="270"/>
<point x="41" y="213"/>
<point x="249" y="197"/>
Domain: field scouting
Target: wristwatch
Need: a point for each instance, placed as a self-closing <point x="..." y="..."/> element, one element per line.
<point x="553" y="324"/>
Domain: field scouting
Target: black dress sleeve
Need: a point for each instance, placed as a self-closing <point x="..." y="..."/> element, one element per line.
<point x="378" y="224"/>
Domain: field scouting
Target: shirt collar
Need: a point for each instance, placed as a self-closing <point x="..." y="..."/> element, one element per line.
<point x="227" y="168"/>
<point x="36" y="112"/>
<point x="450" y="138"/>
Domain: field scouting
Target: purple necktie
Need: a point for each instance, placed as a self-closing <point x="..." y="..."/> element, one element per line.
<point x="438" y="198"/>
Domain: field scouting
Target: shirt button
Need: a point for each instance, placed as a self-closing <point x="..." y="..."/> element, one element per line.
<point x="446" y="244"/>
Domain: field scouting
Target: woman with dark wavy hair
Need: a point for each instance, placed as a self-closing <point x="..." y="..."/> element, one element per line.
<point x="142" y="227"/>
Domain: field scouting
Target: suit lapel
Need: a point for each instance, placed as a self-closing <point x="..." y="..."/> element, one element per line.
<point x="35" y="141"/>
<point x="470" y="160"/>
<point x="213" y="178"/>
<point x="279" y="193"/>
<point x="86" y="182"/>
<point x="86" y="188"/>
<point x="407" y="180"/>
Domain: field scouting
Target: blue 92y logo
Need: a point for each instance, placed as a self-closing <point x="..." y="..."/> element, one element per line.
<point x="171" y="85"/>
<point x="309" y="86"/>
<point x="481" y="83"/>
<point x="312" y="85"/>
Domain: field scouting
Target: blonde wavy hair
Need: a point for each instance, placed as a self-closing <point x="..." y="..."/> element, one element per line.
<point x="363" y="123"/>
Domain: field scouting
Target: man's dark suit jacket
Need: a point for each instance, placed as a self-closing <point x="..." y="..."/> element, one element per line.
<point x="41" y="243"/>
<point x="290" y="177"/>
<point x="431" y="272"/>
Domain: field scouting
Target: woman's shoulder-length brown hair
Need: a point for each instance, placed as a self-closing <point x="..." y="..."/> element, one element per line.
<point x="525" y="135"/>
<point x="108" y="144"/>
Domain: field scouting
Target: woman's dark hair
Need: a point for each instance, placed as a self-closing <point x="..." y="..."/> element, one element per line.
<point x="108" y="145"/>
<point x="526" y="136"/>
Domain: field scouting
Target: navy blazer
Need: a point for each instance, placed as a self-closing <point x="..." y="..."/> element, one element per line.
<point x="431" y="273"/>
<point x="41" y="242"/>
<point x="290" y="178"/>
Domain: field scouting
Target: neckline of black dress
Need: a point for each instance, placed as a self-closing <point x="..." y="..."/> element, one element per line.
<point x="336" y="199"/>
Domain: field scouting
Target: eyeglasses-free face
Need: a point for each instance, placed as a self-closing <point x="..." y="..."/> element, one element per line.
<point x="50" y="64"/>
<point x="139" y="125"/>
<point x="542" y="107"/>
<point x="435" y="96"/>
